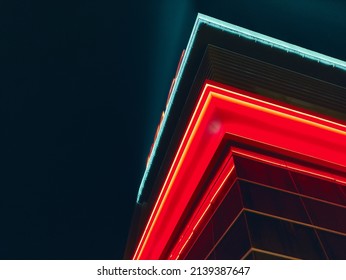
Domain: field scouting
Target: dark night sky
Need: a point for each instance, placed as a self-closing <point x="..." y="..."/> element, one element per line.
<point x="82" y="88"/>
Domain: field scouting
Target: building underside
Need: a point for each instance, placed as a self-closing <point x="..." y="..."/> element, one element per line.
<point x="249" y="161"/>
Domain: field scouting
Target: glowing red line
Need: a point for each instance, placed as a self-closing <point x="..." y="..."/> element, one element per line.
<point x="182" y="248"/>
<point x="223" y="182"/>
<point x="280" y="114"/>
<point x="201" y="216"/>
<point x="165" y="190"/>
<point x="193" y="230"/>
<point x="275" y="162"/>
<point x="277" y="106"/>
<point x="207" y="97"/>
<point x="248" y="155"/>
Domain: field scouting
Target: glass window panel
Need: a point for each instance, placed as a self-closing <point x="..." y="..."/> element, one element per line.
<point x="228" y="210"/>
<point x="284" y="237"/>
<point x="224" y="216"/>
<point x="263" y="173"/>
<point x="235" y="243"/>
<point x="334" y="244"/>
<point x="343" y="190"/>
<point x="322" y="189"/>
<point x="326" y="215"/>
<point x="272" y="201"/>
<point x="203" y="245"/>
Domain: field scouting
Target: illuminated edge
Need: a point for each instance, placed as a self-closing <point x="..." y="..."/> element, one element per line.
<point x="272" y="42"/>
<point x="242" y="32"/>
<point x="210" y="90"/>
<point x="187" y="234"/>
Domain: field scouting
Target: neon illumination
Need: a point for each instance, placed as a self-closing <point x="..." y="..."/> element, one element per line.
<point x="241" y="32"/>
<point x="221" y="111"/>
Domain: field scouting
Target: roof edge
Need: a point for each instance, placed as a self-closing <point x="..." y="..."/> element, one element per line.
<point x="270" y="41"/>
<point x="241" y="32"/>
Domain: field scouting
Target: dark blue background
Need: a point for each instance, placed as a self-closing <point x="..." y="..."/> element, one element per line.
<point x="82" y="87"/>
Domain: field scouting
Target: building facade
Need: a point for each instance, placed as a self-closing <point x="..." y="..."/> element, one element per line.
<point x="249" y="161"/>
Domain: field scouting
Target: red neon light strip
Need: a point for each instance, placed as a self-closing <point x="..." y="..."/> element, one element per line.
<point x="207" y="206"/>
<point x="236" y="111"/>
<point x="201" y="216"/>
<point x="290" y="166"/>
<point x="177" y="163"/>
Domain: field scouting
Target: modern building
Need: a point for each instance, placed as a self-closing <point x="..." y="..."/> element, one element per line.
<point x="249" y="161"/>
